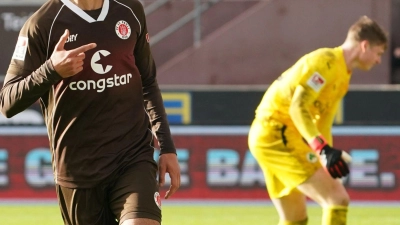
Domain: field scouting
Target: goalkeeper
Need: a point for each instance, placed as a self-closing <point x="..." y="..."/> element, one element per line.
<point x="291" y="134"/>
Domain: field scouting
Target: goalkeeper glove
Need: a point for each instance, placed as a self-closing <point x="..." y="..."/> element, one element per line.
<point x="331" y="157"/>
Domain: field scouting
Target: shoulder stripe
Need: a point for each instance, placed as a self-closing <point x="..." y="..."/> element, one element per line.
<point x="140" y="26"/>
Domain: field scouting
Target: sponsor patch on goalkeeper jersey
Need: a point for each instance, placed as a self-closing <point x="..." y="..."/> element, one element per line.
<point x="20" y="48"/>
<point x="312" y="157"/>
<point x="316" y="82"/>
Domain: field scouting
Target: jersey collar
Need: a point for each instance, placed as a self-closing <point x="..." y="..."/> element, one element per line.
<point x="78" y="11"/>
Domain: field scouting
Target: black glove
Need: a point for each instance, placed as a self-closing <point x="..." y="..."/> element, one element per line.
<point x="334" y="163"/>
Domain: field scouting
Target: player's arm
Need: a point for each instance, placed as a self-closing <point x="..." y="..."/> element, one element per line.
<point x="29" y="75"/>
<point x="151" y="92"/>
<point x="325" y="126"/>
<point x="302" y="100"/>
<point x="20" y="92"/>
<point x="326" y="122"/>
<point x="22" y="87"/>
<point x="168" y="161"/>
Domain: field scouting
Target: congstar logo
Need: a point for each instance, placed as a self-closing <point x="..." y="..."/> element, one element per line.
<point x="99" y="64"/>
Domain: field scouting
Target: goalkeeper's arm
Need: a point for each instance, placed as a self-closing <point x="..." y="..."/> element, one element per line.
<point x="332" y="158"/>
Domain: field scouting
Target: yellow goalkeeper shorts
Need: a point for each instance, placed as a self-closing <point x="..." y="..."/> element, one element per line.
<point x="284" y="157"/>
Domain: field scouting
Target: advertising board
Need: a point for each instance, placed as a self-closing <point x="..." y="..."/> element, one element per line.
<point x="215" y="163"/>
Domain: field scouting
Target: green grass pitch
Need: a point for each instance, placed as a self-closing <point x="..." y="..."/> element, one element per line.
<point x="187" y="214"/>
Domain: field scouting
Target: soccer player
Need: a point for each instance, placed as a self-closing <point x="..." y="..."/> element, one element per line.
<point x="291" y="134"/>
<point x="89" y="64"/>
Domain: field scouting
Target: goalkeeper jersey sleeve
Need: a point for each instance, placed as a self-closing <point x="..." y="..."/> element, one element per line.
<point x="323" y="78"/>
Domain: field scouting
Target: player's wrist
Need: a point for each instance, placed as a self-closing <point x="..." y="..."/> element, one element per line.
<point x="318" y="143"/>
<point x="50" y="72"/>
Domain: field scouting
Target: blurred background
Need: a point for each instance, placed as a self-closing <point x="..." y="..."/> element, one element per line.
<point x="215" y="59"/>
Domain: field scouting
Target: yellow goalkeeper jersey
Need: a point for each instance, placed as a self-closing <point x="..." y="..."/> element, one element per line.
<point x="324" y="76"/>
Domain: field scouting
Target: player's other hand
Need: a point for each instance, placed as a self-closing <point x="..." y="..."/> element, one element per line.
<point x="168" y="163"/>
<point x="334" y="163"/>
<point x="331" y="158"/>
<point x="68" y="63"/>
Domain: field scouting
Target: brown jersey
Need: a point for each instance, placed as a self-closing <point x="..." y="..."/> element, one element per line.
<point x="100" y="119"/>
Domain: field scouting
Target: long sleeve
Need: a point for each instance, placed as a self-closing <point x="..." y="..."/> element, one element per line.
<point x="30" y="74"/>
<point x="326" y="122"/>
<point x="324" y="80"/>
<point x="300" y="114"/>
<point x="153" y="101"/>
<point x="19" y="92"/>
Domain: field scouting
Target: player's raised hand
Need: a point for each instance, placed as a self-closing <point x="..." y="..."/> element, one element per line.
<point x="69" y="62"/>
<point x="168" y="163"/>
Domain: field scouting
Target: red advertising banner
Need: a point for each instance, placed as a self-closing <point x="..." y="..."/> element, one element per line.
<point x="215" y="163"/>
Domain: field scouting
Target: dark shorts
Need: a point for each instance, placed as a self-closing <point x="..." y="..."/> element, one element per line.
<point x="132" y="193"/>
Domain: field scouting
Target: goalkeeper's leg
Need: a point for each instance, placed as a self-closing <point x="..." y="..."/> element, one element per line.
<point x="334" y="215"/>
<point x="330" y="194"/>
<point x="291" y="208"/>
<point x="303" y="222"/>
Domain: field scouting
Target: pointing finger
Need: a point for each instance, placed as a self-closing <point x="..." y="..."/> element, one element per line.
<point x="83" y="48"/>
<point x="63" y="39"/>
